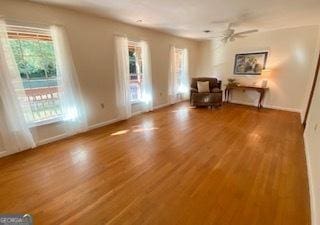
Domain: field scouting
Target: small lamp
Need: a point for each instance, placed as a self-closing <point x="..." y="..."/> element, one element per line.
<point x="265" y="74"/>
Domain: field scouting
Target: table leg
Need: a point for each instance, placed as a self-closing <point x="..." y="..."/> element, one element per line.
<point x="260" y="99"/>
<point x="227" y="95"/>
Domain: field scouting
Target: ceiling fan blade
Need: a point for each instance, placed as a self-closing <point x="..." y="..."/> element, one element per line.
<point x="247" y="32"/>
<point x="217" y="36"/>
<point x="239" y="36"/>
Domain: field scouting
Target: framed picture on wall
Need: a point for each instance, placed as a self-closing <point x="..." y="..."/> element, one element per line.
<point x="250" y="63"/>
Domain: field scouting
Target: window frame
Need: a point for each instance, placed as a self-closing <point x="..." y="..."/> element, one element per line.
<point x="34" y="34"/>
<point x="139" y="73"/>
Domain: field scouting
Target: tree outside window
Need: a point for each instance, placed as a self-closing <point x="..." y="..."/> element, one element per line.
<point x="135" y="68"/>
<point x="34" y="55"/>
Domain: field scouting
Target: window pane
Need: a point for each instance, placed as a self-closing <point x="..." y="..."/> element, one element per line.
<point x="134" y="90"/>
<point x="135" y="66"/>
<point x="15" y="46"/>
<point x="50" y="67"/>
<point x="22" y="66"/>
<point x="36" y="63"/>
<point x="132" y="61"/>
<point x="30" y="47"/>
<point x="35" y="67"/>
<point x="46" y="48"/>
<point x="132" y="54"/>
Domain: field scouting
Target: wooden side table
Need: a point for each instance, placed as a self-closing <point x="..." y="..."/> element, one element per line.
<point x="260" y="90"/>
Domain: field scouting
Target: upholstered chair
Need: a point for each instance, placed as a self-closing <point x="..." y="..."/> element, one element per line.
<point x="211" y="98"/>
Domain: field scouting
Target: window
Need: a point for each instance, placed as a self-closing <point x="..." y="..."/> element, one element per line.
<point x="34" y="55"/>
<point x="179" y="69"/>
<point x="136" y="76"/>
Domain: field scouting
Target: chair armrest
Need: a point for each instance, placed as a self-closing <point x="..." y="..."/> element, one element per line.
<point x="193" y="90"/>
<point x="216" y="90"/>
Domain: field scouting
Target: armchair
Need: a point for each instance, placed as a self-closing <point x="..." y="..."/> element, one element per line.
<point x="212" y="98"/>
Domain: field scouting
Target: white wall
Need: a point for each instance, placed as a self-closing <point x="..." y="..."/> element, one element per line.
<point x="92" y="45"/>
<point x="312" y="143"/>
<point x="291" y="60"/>
<point x="293" y="55"/>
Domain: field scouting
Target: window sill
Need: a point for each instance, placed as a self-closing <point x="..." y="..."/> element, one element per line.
<point x="46" y="122"/>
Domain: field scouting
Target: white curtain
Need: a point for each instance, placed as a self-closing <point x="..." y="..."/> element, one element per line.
<point x="14" y="131"/>
<point x="147" y="92"/>
<point x="178" y="83"/>
<point x="185" y="80"/>
<point x="122" y="78"/>
<point x="73" y="110"/>
<point x="173" y="77"/>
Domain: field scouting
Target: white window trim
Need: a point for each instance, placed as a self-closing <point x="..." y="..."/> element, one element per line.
<point x="36" y="31"/>
<point x="46" y="121"/>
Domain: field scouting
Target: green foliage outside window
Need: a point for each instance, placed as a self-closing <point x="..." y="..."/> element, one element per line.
<point x="35" y="58"/>
<point x="36" y="63"/>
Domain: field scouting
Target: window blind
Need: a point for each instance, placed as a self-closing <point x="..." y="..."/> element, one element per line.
<point x="21" y="32"/>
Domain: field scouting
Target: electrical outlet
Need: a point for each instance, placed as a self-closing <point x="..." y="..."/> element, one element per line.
<point x="315" y="127"/>
<point x="102" y="105"/>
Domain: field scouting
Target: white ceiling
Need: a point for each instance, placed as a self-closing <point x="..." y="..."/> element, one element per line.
<point x="188" y="18"/>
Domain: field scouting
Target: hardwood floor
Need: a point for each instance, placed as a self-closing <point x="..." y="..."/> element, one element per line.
<point x="177" y="165"/>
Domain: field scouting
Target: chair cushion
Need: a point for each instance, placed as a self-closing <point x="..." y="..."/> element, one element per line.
<point x="203" y="86"/>
<point x="213" y="82"/>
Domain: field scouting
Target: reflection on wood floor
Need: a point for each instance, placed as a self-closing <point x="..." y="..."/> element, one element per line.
<point x="177" y="165"/>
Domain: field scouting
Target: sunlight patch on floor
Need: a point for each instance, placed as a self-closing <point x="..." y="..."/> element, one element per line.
<point x="145" y="126"/>
<point x="120" y="132"/>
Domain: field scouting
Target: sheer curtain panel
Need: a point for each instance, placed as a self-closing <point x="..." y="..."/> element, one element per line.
<point x="173" y="85"/>
<point x="122" y="81"/>
<point x="72" y="106"/>
<point x="14" y="131"/>
<point x="147" y="91"/>
<point x="185" y="79"/>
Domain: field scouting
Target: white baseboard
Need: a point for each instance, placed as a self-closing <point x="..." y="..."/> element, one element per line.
<point x="52" y="139"/>
<point x="94" y="126"/>
<point x="62" y="136"/>
<point x="268" y="106"/>
<point x="102" y="124"/>
<point x="137" y="113"/>
<point x="283" y="108"/>
<point x="6" y="153"/>
<point x="154" y="108"/>
<point x="168" y="104"/>
<point x="310" y="180"/>
<point x="161" y="106"/>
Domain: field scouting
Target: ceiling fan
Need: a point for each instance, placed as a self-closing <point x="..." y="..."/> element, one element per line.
<point x="230" y="35"/>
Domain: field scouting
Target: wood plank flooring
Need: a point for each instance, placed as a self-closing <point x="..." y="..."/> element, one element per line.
<point x="174" y="166"/>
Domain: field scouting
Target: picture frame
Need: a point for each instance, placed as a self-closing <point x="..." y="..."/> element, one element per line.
<point x="250" y="63"/>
